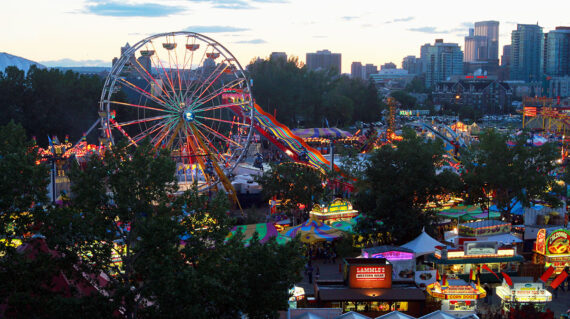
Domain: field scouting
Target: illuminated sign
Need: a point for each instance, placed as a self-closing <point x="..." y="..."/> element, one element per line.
<point x="481" y="248"/>
<point x="455" y="292"/>
<point x="373" y="276"/>
<point x="467" y="230"/>
<point x="558" y="242"/>
<point x="529" y="292"/>
<point x="540" y="245"/>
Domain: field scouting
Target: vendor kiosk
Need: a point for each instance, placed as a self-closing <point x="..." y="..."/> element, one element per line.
<point x="457" y="297"/>
<point x="552" y="248"/>
<point x="338" y="210"/>
<point x="523" y="292"/>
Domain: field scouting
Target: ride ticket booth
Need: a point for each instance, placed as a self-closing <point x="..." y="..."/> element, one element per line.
<point x="523" y="292"/>
<point x="552" y="248"/>
<point x="458" y="298"/>
<point x="367" y="288"/>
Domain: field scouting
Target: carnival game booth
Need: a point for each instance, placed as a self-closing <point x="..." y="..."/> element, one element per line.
<point x="485" y="257"/>
<point x="402" y="260"/>
<point x="337" y="210"/>
<point x="523" y="292"/>
<point x="457" y="296"/>
<point x="552" y="248"/>
<point x="367" y="288"/>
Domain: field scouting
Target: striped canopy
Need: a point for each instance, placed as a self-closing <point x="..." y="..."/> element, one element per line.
<point x="313" y="231"/>
<point x="321" y="132"/>
<point x="467" y="212"/>
<point x="265" y="230"/>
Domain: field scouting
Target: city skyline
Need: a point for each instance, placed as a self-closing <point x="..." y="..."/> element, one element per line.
<point x="92" y="32"/>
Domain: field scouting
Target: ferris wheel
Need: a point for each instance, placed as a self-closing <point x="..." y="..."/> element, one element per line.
<point x="185" y="92"/>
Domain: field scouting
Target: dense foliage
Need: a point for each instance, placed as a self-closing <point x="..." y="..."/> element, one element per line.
<point x="49" y="102"/>
<point x="508" y="174"/>
<point x="397" y="184"/>
<point x="149" y="254"/>
<point x="312" y="98"/>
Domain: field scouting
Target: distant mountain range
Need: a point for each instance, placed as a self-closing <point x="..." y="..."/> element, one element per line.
<point x="7" y="60"/>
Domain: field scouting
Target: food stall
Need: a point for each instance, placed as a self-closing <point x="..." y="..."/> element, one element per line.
<point x="552" y="248"/>
<point x="523" y="292"/>
<point x="457" y="297"/>
<point x="367" y="288"/>
<point x="338" y="210"/>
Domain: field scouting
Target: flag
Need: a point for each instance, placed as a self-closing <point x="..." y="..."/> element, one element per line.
<point x="444" y="282"/>
<point x="478" y="283"/>
<point x="437" y="275"/>
<point x="472" y="275"/>
<point x="507" y="278"/>
<point x="547" y="274"/>
<point x="558" y="280"/>
<point x="489" y="270"/>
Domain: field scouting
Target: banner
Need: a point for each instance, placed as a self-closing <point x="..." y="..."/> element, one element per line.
<point x="547" y="274"/>
<point x="507" y="278"/>
<point x="489" y="270"/>
<point x="558" y="280"/>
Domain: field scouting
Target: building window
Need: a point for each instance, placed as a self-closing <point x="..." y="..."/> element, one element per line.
<point x="399" y="306"/>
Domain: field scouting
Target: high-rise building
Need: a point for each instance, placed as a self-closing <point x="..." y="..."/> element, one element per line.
<point x="324" y="60"/>
<point x="506" y="57"/>
<point x="490" y="30"/>
<point x="440" y="61"/>
<point x="388" y="66"/>
<point x="369" y="69"/>
<point x="412" y="64"/>
<point x="557" y="52"/>
<point x="475" y="47"/>
<point x="278" y="55"/>
<point x="356" y="71"/>
<point x="526" y="52"/>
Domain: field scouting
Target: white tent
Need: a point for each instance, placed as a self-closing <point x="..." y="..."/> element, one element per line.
<point x="395" y="315"/>
<point x="423" y="244"/>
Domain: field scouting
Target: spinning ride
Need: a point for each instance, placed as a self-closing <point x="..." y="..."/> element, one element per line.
<point x="168" y="89"/>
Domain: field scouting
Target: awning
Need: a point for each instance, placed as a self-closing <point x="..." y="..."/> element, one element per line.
<point x="487" y="260"/>
<point x="371" y="294"/>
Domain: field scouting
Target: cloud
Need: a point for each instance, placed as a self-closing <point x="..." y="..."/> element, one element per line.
<point x="467" y="24"/>
<point x="232" y="4"/>
<point x="271" y="1"/>
<point x="254" y="41"/>
<point x="400" y="20"/>
<point x="213" y="29"/>
<point x="76" y="63"/>
<point x="118" y="9"/>
<point x="349" y="18"/>
<point x="427" y="30"/>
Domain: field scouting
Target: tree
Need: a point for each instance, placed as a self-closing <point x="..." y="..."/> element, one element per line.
<point x="405" y="99"/>
<point x="503" y="174"/>
<point x="398" y="183"/>
<point x="294" y="184"/>
<point x="165" y="255"/>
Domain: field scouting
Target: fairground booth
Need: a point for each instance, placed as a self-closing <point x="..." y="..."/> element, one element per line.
<point x="338" y="210"/>
<point x="480" y="246"/>
<point x="457" y="296"/>
<point x="552" y="248"/>
<point x="402" y="260"/>
<point x="523" y="291"/>
<point x="367" y="288"/>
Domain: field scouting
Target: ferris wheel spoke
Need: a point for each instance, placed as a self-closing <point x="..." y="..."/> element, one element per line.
<point x="222" y="121"/>
<point x="211" y="147"/>
<point x="219" y="91"/>
<point x="150" y="119"/>
<point x="216" y="133"/>
<point x="217" y="107"/>
<point x="206" y="80"/>
<point x="173" y="98"/>
<point x="149" y="131"/>
<point x="211" y="82"/>
<point x="149" y="78"/>
<point x="139" y="106"/>
<point x="144" y="93"/>
<point x="157" y="139"/>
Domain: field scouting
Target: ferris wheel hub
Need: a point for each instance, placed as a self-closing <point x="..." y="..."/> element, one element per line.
<point x="189" y="116"/>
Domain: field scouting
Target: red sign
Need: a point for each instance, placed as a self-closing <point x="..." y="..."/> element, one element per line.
<point x="370" y="276"/>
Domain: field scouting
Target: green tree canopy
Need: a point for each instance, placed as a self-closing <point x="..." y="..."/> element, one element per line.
<point x="498" y="173"/>
<point x="399" y="181"/>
